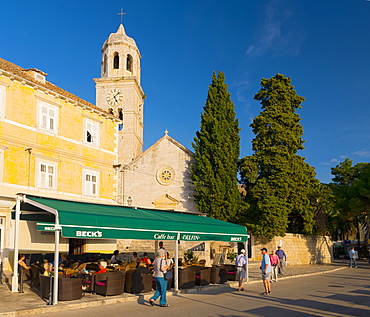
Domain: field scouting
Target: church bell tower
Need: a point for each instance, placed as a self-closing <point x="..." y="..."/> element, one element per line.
<point x="118" y="91"/>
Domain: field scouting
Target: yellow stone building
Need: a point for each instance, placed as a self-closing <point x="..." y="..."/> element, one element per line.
<point x="52" y="144"/>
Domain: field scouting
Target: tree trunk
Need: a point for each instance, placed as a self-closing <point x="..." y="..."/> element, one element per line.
<point x="367" y="233"/>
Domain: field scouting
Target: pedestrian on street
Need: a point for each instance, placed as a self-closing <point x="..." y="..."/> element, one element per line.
<point x="352" y="258"/>
<point x="241" y="268"/>
<point x="274" y="259"/>
<point x="282" y="259"/>
<point x="266" y="271"/>
<point x="160" y="267"/>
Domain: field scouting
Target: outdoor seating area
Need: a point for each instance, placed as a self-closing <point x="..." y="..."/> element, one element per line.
<point x="126" y="277"/>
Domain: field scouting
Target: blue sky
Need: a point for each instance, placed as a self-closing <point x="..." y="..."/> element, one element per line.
<point x="322" y="45"/>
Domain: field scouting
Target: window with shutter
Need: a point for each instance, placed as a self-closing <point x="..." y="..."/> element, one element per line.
<point x="90" y="185"/>
<point x="46" y="176"/>
<point x="91" y="132"/>
<point x="48" y="117"/>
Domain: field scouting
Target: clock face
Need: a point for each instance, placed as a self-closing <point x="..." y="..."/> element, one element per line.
<point x="114" y="97"/>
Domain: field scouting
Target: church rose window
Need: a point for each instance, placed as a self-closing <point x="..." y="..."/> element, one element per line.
<point x="165" y="175"/>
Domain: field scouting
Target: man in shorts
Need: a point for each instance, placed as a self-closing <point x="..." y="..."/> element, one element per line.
<point x="266" y="271"/>
<point x="241" y="268"/>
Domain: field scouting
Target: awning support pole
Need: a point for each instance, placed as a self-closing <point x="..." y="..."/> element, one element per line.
<point x="56" y="260"/>
<point x="16" y="244"/>
<point x="246" y="255"/>
<point x="176" y="284"/>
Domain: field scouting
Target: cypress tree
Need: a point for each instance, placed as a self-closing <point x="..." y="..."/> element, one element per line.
<point x="279" y="183"/>
<point x="216" y="152"/>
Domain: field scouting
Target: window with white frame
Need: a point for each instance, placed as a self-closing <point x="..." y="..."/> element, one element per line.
<point x="48" y="117"/>
<point x="2" y="101"/>
<point x="92" y="132"/>
<point x="46" y="175"/>
<point x="90" y="183"/>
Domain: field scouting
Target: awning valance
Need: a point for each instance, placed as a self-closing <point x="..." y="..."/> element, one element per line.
<point x="95" y="221"/>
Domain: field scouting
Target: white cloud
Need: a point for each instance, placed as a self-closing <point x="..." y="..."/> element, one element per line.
<point x="241" y="88"/>
<point x="364" y="153"/>
<point x="277" y="33"/>
<point x="334" y="160"/>
<point x="325" y="163"/>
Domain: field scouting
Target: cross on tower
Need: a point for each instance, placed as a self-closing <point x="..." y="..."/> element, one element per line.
<point x="121" y="14"/>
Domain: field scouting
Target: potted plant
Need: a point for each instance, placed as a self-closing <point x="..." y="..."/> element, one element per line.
<point x="190" y="257"/>
<point x="231" y="255"/>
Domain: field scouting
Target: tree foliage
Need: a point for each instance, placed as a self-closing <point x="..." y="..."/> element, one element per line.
<point x="216" y="152"/>
<point x="280" y="185"/>
<point x="351" y="187"/>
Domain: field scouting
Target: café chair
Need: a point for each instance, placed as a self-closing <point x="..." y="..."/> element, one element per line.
<point x="139" y="281"/>
<point x="186" y="278"/>
<point x="218" y="275"/>
<point x="203" y="276"/>
<point x="231" y="272"/>
<point x="68" y="288"/>
<point x="202" y="262"/>
<point x="109" y="283"/>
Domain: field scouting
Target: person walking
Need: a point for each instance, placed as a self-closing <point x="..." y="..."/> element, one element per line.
<point x="160" y="267"/>
<point x="274" y="259"/>
<point x="241" y="268"/>
<point x="282" y="259"/>
<point x="352" y="258"/>
<point x="266" y="271"/>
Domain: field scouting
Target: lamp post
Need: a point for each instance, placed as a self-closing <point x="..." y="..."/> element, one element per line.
<point x="129" y="201"/>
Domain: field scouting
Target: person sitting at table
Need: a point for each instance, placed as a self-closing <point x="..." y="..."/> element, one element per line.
<point x="134" y="257"/>
<point x="146" y="260"/>
<point x="64" y="263"/>
<point x="114" y="258"/>
<point x="102" y="267"/>
<point x="48" y="267"/>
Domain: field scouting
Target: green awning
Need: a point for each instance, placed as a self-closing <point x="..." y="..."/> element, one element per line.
<point x="95" y="221"/>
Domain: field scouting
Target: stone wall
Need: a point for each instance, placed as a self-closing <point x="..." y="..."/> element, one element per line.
<point x="300" y="249"/>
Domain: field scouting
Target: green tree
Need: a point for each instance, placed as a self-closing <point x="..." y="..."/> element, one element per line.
<point x="216" y="152"/>
<point x="280" y="185"/>
<point x="351" y="187"/>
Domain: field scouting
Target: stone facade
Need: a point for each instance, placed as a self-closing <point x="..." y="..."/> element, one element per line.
<point x="160" y="177"/>
<point x="119" y="92"/>
<point x="300" y="249"/>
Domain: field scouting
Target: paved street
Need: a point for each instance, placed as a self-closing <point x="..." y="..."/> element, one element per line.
<point x="340" y="293"/>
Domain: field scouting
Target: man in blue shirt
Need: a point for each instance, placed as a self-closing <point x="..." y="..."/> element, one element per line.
<point x="352" y="257"/>
<point x="282" y="258"/>
<point x="266" y="271"/>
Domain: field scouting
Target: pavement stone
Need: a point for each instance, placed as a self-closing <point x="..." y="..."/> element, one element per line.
<point x="30" y="302"/>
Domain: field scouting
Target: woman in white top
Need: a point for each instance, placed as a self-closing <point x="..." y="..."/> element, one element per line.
<point x="169" y="261"/>
<point x="160" y="267"/>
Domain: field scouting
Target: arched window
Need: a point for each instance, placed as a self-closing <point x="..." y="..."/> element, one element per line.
<point x="129" y="63"/>
<point x="120" y="113"/>
<point x="116" y="61"/>
<point x="105" y="64"/>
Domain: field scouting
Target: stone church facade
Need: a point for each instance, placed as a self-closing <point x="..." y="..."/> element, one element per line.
<point x="158" y="178"/>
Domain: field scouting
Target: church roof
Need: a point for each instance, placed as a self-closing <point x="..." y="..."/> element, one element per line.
<point x="165" y="137"/>
<point x="24" y="74"/>
<point x="119" y="37"/>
